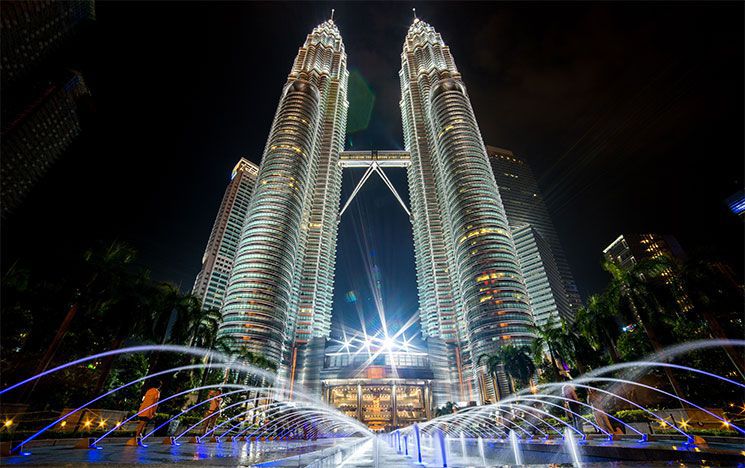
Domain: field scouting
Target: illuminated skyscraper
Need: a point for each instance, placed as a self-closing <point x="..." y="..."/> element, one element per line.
<point x="548" y="300"/>
<point x="630" y="249"/>
<point x="472" y="295"/>
<point x="280" y="289"/>
<point x="217" y="261"/>
<point x="523" y="204"/>
<point x="471" y="291"/>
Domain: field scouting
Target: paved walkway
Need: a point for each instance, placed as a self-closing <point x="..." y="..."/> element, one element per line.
<point x="115" y="453"/>
<point x="371" y="453"/>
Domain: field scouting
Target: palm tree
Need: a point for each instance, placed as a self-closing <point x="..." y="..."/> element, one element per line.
<point x="548" y="336"/>
<point x="101" y="272"/>
<point x="516" y="362"/>
<point x="633" y="286"/>
<point x="715" y="299"/>
<point x="204" y="331"/>
<point x="259" y="361"/>
<point x="597" y="323"/>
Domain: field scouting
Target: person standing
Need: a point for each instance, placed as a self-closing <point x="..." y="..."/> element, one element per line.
<point x="147" y="411"/>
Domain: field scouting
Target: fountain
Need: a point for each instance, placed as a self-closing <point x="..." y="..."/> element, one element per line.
<point x="596" y="434"/>
<point x="530" y="426"/>
<point x="571" y="444"/>
<point x="481" y="450"/>
<point x="515" y="444"/>
<point x="282" y="413"/>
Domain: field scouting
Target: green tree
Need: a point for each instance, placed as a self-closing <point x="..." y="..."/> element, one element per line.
<point x="634" y="287"/>
<point x="598" y="323"/>
<point x="547" y="336"/>
<point x="639" y="288"/>
<point x="516" y="361"/>
<point x="718" y="301"/>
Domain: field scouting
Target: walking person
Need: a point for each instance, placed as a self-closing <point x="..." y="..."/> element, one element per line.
<point x="594" y="399"/>
<point x="571" y="405"/>
<point x="214" y="409"/>
<point x="146" y="412"/>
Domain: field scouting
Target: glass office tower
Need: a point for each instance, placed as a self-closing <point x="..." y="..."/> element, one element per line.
<point x="472" y="294"/>
<point x="548" y="300"/>
<point x="217" y="261"/>
<point x="280" y="285"/>
<point x="524" y="205"/>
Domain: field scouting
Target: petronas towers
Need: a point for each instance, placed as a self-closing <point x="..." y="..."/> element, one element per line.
<point x="278" y="299"/>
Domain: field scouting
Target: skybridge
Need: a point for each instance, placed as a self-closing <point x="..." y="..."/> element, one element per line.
<point x="374" y="161"/>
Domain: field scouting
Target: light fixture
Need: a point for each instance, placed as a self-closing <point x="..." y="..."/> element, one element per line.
<point x="388" y="343"/>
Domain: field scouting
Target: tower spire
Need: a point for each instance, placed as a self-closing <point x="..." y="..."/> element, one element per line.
<point x="413" y="10"/>
<point x="332" y="15"/>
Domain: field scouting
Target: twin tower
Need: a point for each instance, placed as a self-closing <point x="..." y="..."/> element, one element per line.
<point x="472" y="296"/>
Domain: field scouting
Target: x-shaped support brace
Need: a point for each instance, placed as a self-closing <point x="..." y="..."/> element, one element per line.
<point x="374" y="167"/>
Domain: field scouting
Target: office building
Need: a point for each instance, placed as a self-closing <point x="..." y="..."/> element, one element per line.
<point x="630" y="249"/>
<point x="33" y="31"/>
<point x="471" y="290"/>
<point x="472" y="295"/>
<point x="41" y="99"/>
<point x="217" y="261"/>
<point x="279" y="292"/>
<point x="524" y="205"/>
<point x="548" y="300"/>
<point x="37" y="136"/>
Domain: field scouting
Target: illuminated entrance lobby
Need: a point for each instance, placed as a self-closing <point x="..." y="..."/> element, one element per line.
<point x="385" y="385"/>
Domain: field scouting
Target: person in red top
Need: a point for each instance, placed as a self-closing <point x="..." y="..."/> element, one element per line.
<point x="147" y="409"/>
<point x="214" y="409"/>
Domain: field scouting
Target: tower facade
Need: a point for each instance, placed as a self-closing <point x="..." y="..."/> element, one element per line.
<point x="524" y="205"/>
<point x="217" y="261"/>
<point x="35" y="138"/>
<point x="279" y="292"/>
<point x="548" y="300"/>
<point x="472" y="294"/>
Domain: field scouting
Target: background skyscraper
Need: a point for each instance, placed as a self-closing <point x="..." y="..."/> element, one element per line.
<point x="217" y="261"/>
<point x="32" y="32"/>
<point x="542" y="279"/>
<point x="288" y="235"/>
<point x="41" y="99"/>
<point x="524" y="205"/>
<point x="467" y="268"/>
<point x="37" y="136"/>
<point x="630" y="249"/>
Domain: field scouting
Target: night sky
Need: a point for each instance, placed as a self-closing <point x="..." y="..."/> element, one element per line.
<point x="631" y="116"/>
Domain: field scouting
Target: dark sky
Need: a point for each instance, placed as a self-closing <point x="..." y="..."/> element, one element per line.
<point x="630" y="114"/>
